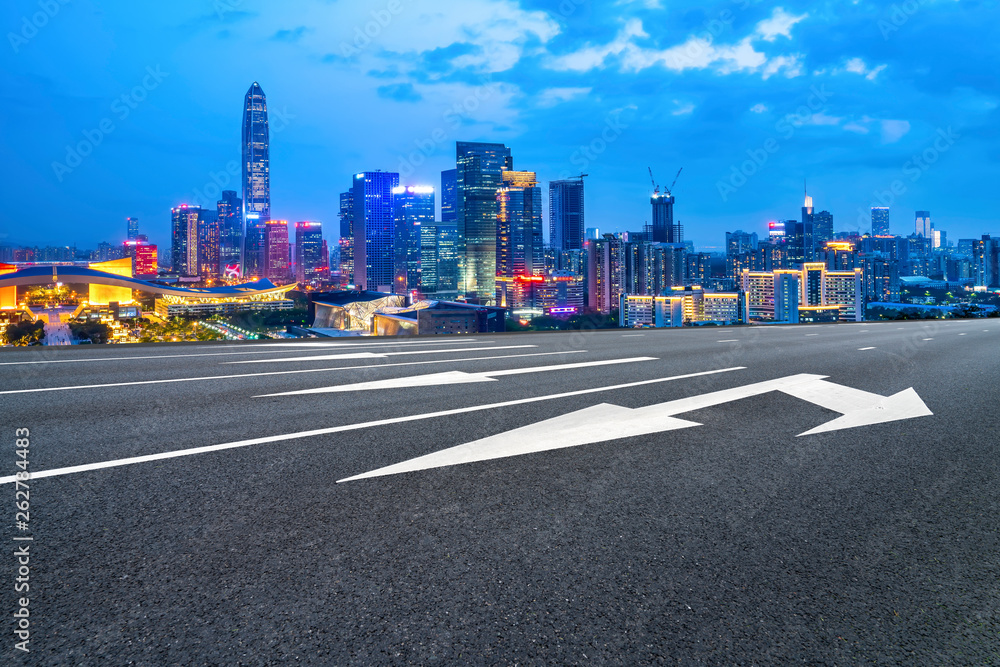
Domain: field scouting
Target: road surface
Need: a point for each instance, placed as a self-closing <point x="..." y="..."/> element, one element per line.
<point x="820" y="494"/>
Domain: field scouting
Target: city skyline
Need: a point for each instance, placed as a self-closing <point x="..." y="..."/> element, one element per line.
<point x="852" y="140"/>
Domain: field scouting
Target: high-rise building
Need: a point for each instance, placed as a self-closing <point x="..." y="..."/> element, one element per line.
<point x="822" y="228"/>
<point x="230" y="211"/>
<point x="593" y="233"/>
<point x="519" y="225"/>
<point x="479" y="167"/>
<point x="208" y="244"/>
<point x="880" y="220"/>
<point x="801" y="245"/>
<point x="346" y="243"/>
<point x="413" y="207"/>
<point x="663" y="229"/>
<point x="256" y="179"/>
<point x="449" y="196"/>
<point x="374" y="230"/>
<point x="309" y="253"/>
<point x="276" y="251"/>
<point x="184" y="239"/>
<point x="807" y="209"/>
<point x="605" y="272"/>
<point x="143" y="257"/>
<point x="133" y="229"/>
<point x="922" y="224"/>
<point x="566" y="219"/>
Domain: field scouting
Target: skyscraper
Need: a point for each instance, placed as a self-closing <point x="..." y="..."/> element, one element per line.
<point x="449" y="192"/>
<point x="256" y="178"/>
<point x="184" y="239"/>
<point x="374" y="229"/>
<point x="230" y="211"/>
<point x="822" y="228"/>
<point x="208" y="244"/>
<point x="413" y="206"/>
<point x="347" y="237"/>
<point x="276" y="251"/>
<point x="133" y="229"/>
<point x="478" y="167"/>
<point x="663" y="229"/>
<point x="309" y="260"/>
<point x="566" y="221"/>
<point x="922" y="224"/>
<point x="519" y="225"/>
<point x="880" y="221"/>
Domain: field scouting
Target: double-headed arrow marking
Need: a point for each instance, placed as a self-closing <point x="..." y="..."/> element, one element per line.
<point x="604" y="422"/>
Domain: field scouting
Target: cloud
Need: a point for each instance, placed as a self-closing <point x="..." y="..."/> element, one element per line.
<point x="894" y="130"/>
<point x="758" y="108"/>
<point x="550" y="97"/>
<point x="682" y="109"/>
<point x="648" y="4"/>
<point x="779" y="25"/>
<point x="858" y="66"/>
<point x="290" y="35"/>
<point x="400" y="92"/>
<point x="697" y="52"/>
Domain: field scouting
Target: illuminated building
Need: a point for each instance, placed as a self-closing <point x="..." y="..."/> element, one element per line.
<point x="922" y="224"/>
<point x="784" y="295"/>
<point x="132" y="225"/>
<point x="438" y="259"/>
<point x="346" y="244"/>
<point x="478" y="168"/>
<point x="822" y="227"/>
<point x="143" y="256"/>
<point x="775" y="230"/>
<point x="438" y="317"/>
<point x="771" y="296"/>
<point x="350" y="310"/>
<point x="230" y="216"/>
<point x="374" y="229"/>
<point x="698" y="268"/>
<point x="880" y="220"/>
<point x="518" y="227"/>
<point x="680" y="305"/>
<point x="566" y="214"/>
<point x="276" y="250"/>
<point x="801" y="246"/>
<point x="654" y="311"/>
<point x="102" y="295"/>
<point x="807" y="210"/>
<point x="449" y="196"/>
<point x="309" y="260"/>
<point x="254" y="245"/>
<point x="663" y="228"/>
<point x="8" y="295"/>
<point x="413" y="207"/>
<point x="208" y="245"/>
<point x="256" y="154"/>
<point x="605" y="273"/>
<point x="184" y="239"/>
<point x="560" y="293"/>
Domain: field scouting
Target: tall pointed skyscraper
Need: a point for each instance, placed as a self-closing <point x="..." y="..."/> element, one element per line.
<point x="256" y="178"/>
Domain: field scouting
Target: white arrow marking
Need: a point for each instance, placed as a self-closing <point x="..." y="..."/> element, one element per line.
<point x="374" y="355"/>
<point x="610" y="422"/>
<point x="450" y="377"/>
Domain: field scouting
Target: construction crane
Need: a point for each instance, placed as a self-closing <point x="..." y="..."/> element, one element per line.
<point x="656" y="188"/>
<point x="669" y="190"/>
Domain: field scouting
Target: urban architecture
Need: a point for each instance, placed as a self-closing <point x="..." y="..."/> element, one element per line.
<point x="449" y="196"/>
<point x="374" y="229"/>
<point x="132" y="229"/>
<point x="519" y="226"/>
<point x="230" y="214"/>
<point x="566" y="214"/>
<point x="478" y="177"/>
<point x="276" y="251"/>
<point x="413" y="207"/>
<point x="184" y="223"/>
<point x="880" y="220"/>
<point x="256" y="178"/>
<point x="309" y="254"/>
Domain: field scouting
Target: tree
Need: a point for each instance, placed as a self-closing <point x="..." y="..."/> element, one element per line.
<point x="24" y="334"/>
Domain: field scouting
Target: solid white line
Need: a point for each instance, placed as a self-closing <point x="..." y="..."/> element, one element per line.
<point x="56" y="472"/>
<point x="961" y="334"/>
<point x="309" y="370"/>
<point x="928" y="339"/>
<point x="632" y="335"/>
<point x="370" y="355"/>
<point x="812" y="334"/>
<point x="727" y="341"/>
<point x="450" y="377"/>
<point x="862" y="349"/>
<point x="222" y="354"/>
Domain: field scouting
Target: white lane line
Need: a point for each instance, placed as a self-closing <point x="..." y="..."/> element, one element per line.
<point x="57" y="472"/>
<point x="451" y="377"/>
<point x="812" y="334"/>
<point x="379" y="344"/>
<point x="308" y="370"/>
<point x="727" y="341"/>
<point x="633" y="335"/>
<point x="371" y="355"/>
<point x="862" y="349"/>
<point x="928" y="339"/>
<point x="961" y="334"/>
<point x="221" y="354"/>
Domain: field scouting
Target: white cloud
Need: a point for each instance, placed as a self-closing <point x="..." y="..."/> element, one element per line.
<point x="648" y="4"/>
<point x="682" y="109"/>
<point x="779" y="25"/>
<point x="894" y="130"/>
<point x="550" y="97"/>
<point x="758" y="108"/>
<point x="858" y="66"/>
<point x="856" y="127"/>
<point x="694" y="53"/>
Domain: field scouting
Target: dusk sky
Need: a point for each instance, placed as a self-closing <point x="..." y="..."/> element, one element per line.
<point x="750" y="98"/>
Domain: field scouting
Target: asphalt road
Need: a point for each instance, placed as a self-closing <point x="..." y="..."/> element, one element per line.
<point x="736" y="541"/>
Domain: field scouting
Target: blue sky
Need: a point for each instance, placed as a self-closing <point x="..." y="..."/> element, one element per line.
<point x="871" y="102"/>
